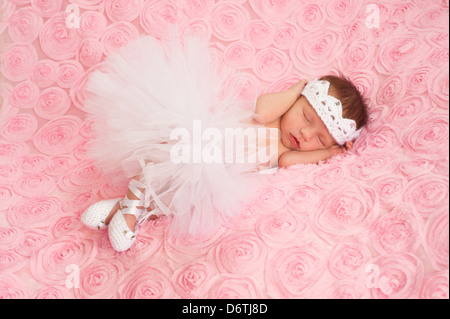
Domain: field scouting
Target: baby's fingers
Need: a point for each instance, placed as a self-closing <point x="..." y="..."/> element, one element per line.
<point x="348" y="146"/>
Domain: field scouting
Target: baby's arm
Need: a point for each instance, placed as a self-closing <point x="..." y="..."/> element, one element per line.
<point x="297" y="157"/>
<point x="271" y="106"/>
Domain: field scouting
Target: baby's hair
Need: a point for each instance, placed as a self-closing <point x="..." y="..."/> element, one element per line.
<point x="354" y="105"/>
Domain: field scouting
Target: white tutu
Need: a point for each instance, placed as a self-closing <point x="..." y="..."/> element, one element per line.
<point x="139" y="95"/>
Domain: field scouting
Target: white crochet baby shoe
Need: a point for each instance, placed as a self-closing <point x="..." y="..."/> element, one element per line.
<point x="95" y="215"/>
<point x="120" y="236"/>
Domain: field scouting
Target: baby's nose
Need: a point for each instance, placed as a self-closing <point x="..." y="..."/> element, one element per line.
<point x="306" y="134"/>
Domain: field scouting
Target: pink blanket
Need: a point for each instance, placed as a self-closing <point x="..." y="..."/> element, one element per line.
<point x="372" y="223"/>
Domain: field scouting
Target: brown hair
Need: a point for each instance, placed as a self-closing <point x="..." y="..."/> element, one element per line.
<point x="354" y="106"/>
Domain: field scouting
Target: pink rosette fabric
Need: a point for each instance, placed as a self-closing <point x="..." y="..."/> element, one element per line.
<point x="358" y="56"/>
<point x="61" y="225"/>
<point x="10" y="151"/>
<point x="34" y="212"/>
<point x="19" y="128"/>
<point x="156" y="16"/>
<point x="416" y="167"/>
<point x="427" y="135"/>
<point x="18" y="61"/>
<point x="437" y="238"/>
<point x="99" y="280"/>
<point x="284" y="35"/>
<point x="89" y="4"/>
<point x="24" y="94"/>
<point x="390" y="189"/>
<point x="10" y="261"/>
<point x="247" y="87"/>
<point x="271" y="199"/>
<point x="191" y="280"/>
<point x="188" y="248"/>
<point x="438" y="87"/>
<point x="119" y="10"/>
<point x="417" y="80"/>
<point x="270" y="64"/>
<point x="293" y="271"/>
<point x="58" y="165"/>
<point x="346" y="211"/>
<point x="79" y="177"/>
<point x="24" y="25"/>
<point x="259" y="33"/>
<point x="90" y="52"/>
<point x="436" y="287"/>
<point x="32" y="241"/>
<point x="302" y="197"/>
<point x="432" y="18"/>
<point x="238" y="54"/>
<point x="58" y="41"/>
<point x="344" y="289"/>
<point x="53" y="292"/>
<point x="397" y="276"/>
<point x="52" y="103"/>
<point x="7" y="196"/>
<point x="407" y="109"/>
<point x="144" y="247"/>
<point x="397" y="52"/>
<point x="384" y="137"/>
<point x="58" y="136"/>
<point x="9" y="173"/>
<point x="13" y="287"/>
<point x="10" y="237"/>
<point x="34" y="185"/>
<point x="393" y="89"/>
<point x="92" y="23"/>
<point x="373" y="165"/>
<point x="329" y="175"/>
<point x="310" y="16"/>
<point x="315" y="51"/>
<point x="198" y="28"/>
<point x="145" y="282"/>
<point x="49" y="264"/>
<point x="398" y="231"/>
<point x="342" y="12"/>
<point x="347" y="260"/>
<point x="228" y="21"/>
<point x="115" y="36"/>
<point x="273" y="10"/>
<point x="45" y="73"/>
<point x="240" y="254"/>
<point x="367" y="83"/>
<point x="278" y="230"/>
<point x="197" y="8"/>
<point x="232" y="287"/>
<point x="69" y="71"/>
<point x="46" y="8"/>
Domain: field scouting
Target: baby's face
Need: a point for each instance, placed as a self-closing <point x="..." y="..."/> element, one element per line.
<point x="303" y="130"/>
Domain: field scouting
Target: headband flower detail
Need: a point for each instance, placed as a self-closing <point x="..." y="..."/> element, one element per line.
<point x="330" y="111"/>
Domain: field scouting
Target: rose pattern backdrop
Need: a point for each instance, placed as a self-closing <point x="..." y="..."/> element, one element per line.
<point x="371" y="223"/>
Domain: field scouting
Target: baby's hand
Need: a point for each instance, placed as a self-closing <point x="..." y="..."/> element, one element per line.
<point x="338" y="149"/>
<point x="298" y="87"/>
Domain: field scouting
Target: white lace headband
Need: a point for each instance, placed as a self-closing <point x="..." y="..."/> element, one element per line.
<point x="329" y="109"/>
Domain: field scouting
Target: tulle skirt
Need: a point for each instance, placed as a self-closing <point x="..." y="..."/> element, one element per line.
<point x="152" y="102"/>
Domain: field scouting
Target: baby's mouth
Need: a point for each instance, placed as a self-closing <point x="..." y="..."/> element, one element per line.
<point x="294" y="141"/>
